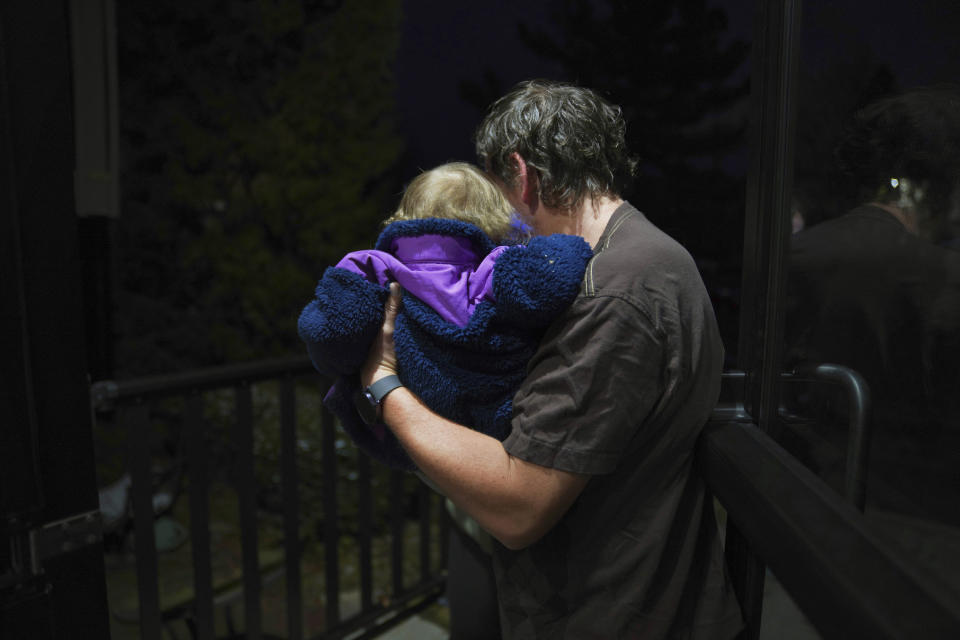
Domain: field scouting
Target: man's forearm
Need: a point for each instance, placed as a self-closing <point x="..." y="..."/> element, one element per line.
<point x="516" y="501"/>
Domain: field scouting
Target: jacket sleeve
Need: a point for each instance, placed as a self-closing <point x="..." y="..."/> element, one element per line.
<point x="535" y="282"/>
<point x="339" y="324"/>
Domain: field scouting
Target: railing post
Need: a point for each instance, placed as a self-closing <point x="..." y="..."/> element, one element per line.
<point x="291" y="507"/>
<point x="425" y="506"/>
<point x="396" y="530"/>
<point x="136" y="419"/>
<point x="199" y="517"/>
<point x="246" y="485"/>
<point x="444" y="533"/>
<point x="365" y="525"/>
<point x="331" y="530"/>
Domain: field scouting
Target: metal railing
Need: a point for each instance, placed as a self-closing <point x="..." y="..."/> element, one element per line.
<point x="131" y="402"/>
<point x="848" y="582"/>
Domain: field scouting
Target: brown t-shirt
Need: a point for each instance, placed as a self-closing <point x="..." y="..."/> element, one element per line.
<point x="619" y="389"/>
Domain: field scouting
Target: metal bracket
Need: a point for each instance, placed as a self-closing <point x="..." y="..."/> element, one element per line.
<point x="63" y="536"/>
<point x="29" y="549"/>
<point x="103" y="395"/>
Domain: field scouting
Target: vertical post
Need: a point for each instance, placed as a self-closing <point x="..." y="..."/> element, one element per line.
<point x="96" y="185"/>
<point x="444" y="532"/>
<point x="95" y="108"/>
<point x="766" y="235"/>
<point x="396" y="530"/>
<point x="137" y="420"/>
<point x="331" y="532"/>
<point x="771" y="197"/>
<point x="291" y="507"/>
<point x="47" y="464"/>
<point x="197" y="462"/>
<point x="20" y="436"/>
<point x="248" y="512"/>
<point x="365" y="517"/>
<point x="425" y="506"/>
<point x="747" y="574"/>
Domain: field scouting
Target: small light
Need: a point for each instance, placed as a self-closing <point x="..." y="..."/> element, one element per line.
<point x="894" y="183"/>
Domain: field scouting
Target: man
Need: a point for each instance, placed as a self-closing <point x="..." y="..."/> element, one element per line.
<point x="606" y="529"/>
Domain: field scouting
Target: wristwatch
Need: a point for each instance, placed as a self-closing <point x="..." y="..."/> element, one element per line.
<point x="370" y="399"/>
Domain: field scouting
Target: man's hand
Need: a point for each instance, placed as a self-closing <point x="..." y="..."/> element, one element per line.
<point x="382" y="359"/>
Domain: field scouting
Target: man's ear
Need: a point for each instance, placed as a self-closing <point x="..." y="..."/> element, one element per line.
<point x="526" y="179"/>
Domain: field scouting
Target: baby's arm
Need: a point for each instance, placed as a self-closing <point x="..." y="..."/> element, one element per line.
<point x="535" y="282"/>
<point x="341" y="321"/>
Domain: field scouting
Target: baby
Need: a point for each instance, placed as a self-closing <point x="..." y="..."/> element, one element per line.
<point x="476" y="301"/>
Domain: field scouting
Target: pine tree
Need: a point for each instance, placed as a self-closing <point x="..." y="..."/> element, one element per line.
<point x="666" y="62"/>
<point x="259" y="145"/>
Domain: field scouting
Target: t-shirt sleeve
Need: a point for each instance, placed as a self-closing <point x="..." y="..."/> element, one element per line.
<point x="594" y="379"/>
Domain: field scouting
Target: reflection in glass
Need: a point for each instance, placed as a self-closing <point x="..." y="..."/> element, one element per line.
<point x="875" y="286"/>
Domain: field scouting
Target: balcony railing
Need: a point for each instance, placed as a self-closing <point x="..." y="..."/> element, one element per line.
<point x="220" y="403"/>
<point x="847" y="580"/>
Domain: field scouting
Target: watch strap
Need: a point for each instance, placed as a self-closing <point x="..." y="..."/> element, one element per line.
<point x="379" y="389"/>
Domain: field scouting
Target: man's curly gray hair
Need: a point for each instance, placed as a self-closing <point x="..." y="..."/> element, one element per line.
<point x="572" y="137"/>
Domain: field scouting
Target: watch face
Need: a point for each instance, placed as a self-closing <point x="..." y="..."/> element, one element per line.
<point x="366" y="406"/>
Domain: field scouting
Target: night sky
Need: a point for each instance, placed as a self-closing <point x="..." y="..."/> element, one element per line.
<point x="446" y="43"/>
<point x="443" y="44"/>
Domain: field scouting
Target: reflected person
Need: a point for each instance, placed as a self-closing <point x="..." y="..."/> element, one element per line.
<point x="875" y="290"/>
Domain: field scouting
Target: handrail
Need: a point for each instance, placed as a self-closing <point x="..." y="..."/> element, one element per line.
<point x="105" y="392"/>
<point x="858" y="443"/>
<point x="847" y="582"/>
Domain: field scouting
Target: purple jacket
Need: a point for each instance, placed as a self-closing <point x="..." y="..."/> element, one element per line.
<point x="444" y="272"/>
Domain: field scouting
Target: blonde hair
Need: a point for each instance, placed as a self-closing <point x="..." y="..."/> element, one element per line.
<point x="457" y="191"/>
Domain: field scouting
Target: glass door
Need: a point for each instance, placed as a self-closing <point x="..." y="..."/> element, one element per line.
<point x="850" y="304"/>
